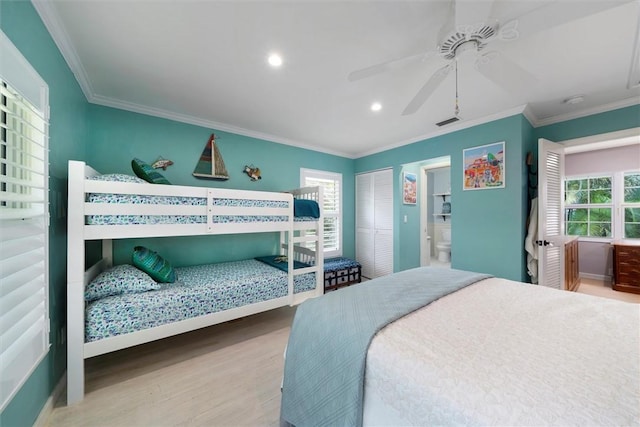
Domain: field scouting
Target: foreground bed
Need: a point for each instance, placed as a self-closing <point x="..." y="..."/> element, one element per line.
<point x="493" y="352"/>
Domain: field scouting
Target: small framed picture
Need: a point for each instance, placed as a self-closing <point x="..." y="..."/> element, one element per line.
<point x="409" y="188"/>
<point x="483" y="167"/>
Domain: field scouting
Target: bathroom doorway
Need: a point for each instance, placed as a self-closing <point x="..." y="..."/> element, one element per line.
<point x="435" y="213"/>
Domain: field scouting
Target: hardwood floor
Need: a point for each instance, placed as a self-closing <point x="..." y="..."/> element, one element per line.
<point x="224" y="375"/>
<point x="602" y="289"/>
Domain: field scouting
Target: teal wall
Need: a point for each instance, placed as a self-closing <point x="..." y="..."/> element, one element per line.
<point x="116" y="136"/>
<point x="611" y="121"/>
<point x="487" y="226"/>
<point x="67" y="133"/>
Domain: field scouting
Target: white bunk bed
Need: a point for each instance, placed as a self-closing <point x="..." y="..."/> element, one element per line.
<point x="274" y="212"/>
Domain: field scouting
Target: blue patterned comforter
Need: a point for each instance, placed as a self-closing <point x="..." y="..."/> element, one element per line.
<point x="200" y="290"/>
<point x="183" y="201"/>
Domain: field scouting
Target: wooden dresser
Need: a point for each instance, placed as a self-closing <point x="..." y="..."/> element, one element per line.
<point x="626" y="266"/>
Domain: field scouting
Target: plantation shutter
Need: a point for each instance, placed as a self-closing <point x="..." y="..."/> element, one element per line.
<point x="331" y="205"/>
<point x="24" y="319"/>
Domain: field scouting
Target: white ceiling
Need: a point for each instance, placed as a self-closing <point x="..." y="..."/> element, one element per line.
<point x="204" y="62"/>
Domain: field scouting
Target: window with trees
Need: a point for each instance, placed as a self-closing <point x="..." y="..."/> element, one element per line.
<point x="603" y="206"/>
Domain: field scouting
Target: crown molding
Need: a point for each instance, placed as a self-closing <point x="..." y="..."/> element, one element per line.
<point x="588" y="112"/>
<point x="183" y="118"/>
<point x="52" y="22"/>
<point x="449" y="129"/>
<point x="530" y="115"/>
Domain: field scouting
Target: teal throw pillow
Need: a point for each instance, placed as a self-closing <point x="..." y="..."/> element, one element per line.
<point x="153" y="264"/>
<point x="121" y="279"/>
<point x="146" y="172"/>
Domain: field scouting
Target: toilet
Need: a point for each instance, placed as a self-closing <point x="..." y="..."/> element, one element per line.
<point x="444" y="246"/>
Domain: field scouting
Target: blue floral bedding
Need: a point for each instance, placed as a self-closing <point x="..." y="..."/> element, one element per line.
<point x="199" y="290"/>
<point x="182" y="201"/>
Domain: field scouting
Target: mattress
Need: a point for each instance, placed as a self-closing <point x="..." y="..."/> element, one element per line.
<point x="199" y="290"/>
<point x="503" y="353"/>
<point x="183" y="201"/>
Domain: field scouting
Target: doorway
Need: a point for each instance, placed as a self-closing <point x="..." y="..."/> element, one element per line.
<point x="595" y="258"/>
<point x="435" y="213"/>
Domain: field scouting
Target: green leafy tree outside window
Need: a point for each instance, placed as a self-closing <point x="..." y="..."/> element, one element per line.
<point x="632" y="214"/>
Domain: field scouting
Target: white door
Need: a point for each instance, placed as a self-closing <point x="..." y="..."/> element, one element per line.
<point x="550" y="214"/>
<point x="364" y="223"/>
<point x="383" y="222"/>
<point x="374" y="223"/>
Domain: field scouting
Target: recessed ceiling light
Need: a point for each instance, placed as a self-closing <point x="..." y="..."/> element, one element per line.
<point x="376" y="106"/>
<point x="275" y="60"/>
<point x="577" y="99"/>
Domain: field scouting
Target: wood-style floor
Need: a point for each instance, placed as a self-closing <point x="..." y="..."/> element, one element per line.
<point x="602" y="289"/>
<point x="224" y="375"/>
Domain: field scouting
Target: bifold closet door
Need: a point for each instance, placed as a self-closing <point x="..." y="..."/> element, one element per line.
<point x="374" y="222"/>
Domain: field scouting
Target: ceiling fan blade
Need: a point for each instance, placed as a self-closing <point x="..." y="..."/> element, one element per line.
<point x="425" y="92"/>
<point x="385" y="66"/>
<point x="550" y="15"/>
<point x="449" y="22"/>
<point x="504" y="72"/>
<point x="472" y="14"/>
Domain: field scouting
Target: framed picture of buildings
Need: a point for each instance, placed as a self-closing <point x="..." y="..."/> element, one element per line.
<point x="484" y="167"/>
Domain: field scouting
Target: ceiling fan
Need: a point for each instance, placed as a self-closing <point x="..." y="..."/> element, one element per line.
<point x="471" y="26"/>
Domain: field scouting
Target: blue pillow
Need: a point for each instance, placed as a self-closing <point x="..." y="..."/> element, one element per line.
<point x="153" y="264"/>
<point x="148" y="173"/>
<point x="121" y="279"/>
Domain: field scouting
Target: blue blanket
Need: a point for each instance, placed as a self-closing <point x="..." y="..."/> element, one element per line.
<point x="279" y="261"/>
<point x="304" y="207"/>
<point x="330" y="336"/>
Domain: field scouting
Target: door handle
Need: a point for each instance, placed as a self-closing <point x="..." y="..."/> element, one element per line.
<point x="543" y="243"/>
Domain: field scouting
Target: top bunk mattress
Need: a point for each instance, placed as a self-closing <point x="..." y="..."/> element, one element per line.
<point x="304" y="210"/>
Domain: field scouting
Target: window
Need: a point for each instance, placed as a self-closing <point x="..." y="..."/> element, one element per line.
<point x="331" y="205"/>
<point x="631" y="206"/>
<point x="588" y="206"/>
<point x="24" y="319"/>
<point x="603" y="206"/>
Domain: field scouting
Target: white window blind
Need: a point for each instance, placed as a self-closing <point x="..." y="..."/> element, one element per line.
<point x="24" y="319"/>
<point x="332" y="206"/>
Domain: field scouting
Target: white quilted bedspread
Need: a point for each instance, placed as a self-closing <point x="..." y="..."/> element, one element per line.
<point x="503" y="353"/>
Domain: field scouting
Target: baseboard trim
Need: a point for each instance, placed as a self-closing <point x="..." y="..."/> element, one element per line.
<point x="606" y="279"/>
<point x="47" y="409"/>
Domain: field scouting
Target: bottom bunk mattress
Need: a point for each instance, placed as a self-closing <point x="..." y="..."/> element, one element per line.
<point x="199" y="290"/>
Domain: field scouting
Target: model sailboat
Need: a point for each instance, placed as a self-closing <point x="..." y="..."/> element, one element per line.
<point x="211" y="165"/>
